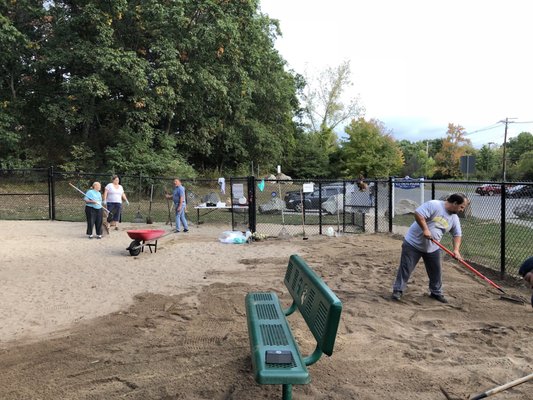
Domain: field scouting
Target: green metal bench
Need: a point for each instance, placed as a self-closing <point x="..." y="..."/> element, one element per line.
<point x="271" y="338"/>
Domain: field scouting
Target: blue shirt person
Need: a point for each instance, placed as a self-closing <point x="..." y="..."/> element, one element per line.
<point x="180" y="203"/>
<point x="93" y="210"/>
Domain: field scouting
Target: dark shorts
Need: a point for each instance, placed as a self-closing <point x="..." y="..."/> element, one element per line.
<point x="115" y="209"/>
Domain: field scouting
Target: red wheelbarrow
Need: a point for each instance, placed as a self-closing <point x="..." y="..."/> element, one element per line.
<point x="144" y="237"/>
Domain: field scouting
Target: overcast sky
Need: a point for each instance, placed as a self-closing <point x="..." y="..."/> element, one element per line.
<point x="420" y="64"/>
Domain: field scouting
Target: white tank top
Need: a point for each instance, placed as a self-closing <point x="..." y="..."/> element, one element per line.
<point x="114" y="195"/>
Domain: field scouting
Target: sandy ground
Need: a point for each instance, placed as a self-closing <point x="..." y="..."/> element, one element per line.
<point x="82" y="319"/>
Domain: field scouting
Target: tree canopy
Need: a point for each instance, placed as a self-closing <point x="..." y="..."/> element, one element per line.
<point x="157" y="85"/>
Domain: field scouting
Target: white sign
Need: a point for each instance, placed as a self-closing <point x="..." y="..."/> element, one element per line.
<point x="238" y="190"/>
<point x="308" y="187"/>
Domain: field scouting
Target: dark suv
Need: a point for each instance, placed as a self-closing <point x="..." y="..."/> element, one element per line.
<point x="312" y="200"/>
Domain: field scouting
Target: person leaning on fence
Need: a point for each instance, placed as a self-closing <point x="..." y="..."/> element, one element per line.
<point x="526" y="271"/>
<point x="432" y="220"/>
<point x="94" y="210"/>
<point x="113" y="196"/>
<point x="361" y="184"/>
<point x="178" y="197"/>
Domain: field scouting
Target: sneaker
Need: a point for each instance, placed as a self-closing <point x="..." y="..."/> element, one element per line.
<point x="91" y="236"/>
<point x="99" y="237"/>
<point x="185" y="230"/>
<point x="176" y="231"/>
<point x="397" y="295"/>
<point x="438" y="297"/>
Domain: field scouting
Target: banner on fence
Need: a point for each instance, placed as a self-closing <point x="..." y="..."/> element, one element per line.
<point x="407" y="185"/>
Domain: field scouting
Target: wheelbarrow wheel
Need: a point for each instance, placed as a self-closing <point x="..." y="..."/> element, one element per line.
<point x="135" y="248"/>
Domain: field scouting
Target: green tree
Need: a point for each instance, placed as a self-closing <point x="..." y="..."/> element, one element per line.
<point x="149" y="85"/>
<point x="370" y="150"/>
<point x="308" y="160"/>
<point x="525" y="166"/>
<point x="418" y="162"/>
<point x="22" y="28"/>
<point x="487" y="163"/>
<point x="517" y="146"/>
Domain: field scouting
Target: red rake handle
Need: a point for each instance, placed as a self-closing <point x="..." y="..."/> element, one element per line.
<point x="475" y="271"/>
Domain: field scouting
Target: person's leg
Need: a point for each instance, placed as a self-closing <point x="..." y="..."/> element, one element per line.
<point x="178" y="223"/>
<point x="408" y="260"/>
<point x="98" y="215"/>
<point x="88" y="216"/>
<point x="112" y="218"/>
<point x="432" y="261"/>
<point x="183" y="218"/>
<point x="117" y="208"/>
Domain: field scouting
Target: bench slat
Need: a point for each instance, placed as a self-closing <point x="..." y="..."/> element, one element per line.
<point x="269" y="330"/>
<point x="317" y="303"/>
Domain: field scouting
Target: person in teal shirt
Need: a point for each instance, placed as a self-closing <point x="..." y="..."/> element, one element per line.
<point x="93" y="210"/>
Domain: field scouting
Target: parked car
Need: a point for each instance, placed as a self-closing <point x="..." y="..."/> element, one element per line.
<point x="519" y="191"/>
<point x="489" y="189"/>
<point x="314" y="199"/>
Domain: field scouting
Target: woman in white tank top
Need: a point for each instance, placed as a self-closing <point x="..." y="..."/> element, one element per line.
<point x="113" y="196"/>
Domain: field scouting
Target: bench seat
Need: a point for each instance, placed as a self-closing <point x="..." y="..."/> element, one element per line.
<point x="269" y="330"/>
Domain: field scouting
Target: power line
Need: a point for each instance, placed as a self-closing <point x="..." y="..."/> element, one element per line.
<point x="485" y="129"/>
<point x="497" y="124"/>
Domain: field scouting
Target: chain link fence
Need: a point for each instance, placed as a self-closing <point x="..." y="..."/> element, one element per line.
<point x="497" y="225"/>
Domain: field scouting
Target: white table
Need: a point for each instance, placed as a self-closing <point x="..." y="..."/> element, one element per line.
<point x="210" y="209"/>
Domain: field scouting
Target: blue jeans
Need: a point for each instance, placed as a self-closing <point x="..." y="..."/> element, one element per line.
<point x="181" y="218"/>
<point x="409" y="259"/>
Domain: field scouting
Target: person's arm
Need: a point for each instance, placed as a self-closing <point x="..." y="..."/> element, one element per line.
<point x="180" y="203"/>
<point x="456" y="245"/>
<point x="104" y="199"/>
<point x="124" y="198"/>
<point x="421" y="221"/>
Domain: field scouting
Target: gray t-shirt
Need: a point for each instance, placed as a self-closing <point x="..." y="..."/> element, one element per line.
<point x="439" y="221"/>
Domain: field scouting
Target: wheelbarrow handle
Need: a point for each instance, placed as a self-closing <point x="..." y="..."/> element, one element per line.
<point x="475" y="271"/>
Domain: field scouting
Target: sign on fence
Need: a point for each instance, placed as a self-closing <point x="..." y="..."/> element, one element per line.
<point x="407" y="185"/>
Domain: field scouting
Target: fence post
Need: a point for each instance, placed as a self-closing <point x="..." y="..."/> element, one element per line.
<point x="251" y="204"/>
<point x="391" y="201"/>
<point x="502" y="238"/>
<point x="51" y="194"/>
<point x="375" y="188"/>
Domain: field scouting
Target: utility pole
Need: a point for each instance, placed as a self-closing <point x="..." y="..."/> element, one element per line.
<point x="504" y="162"/>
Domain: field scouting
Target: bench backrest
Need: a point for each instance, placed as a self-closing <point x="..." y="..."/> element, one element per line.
<point x="318" y="305"/>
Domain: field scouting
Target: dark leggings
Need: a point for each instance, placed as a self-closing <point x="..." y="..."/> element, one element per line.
<point x="94" y="218"/>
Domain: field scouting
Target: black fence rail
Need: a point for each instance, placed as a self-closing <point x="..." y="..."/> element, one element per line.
<point x="25" y="194"/>
<point x="497" y="225"/>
